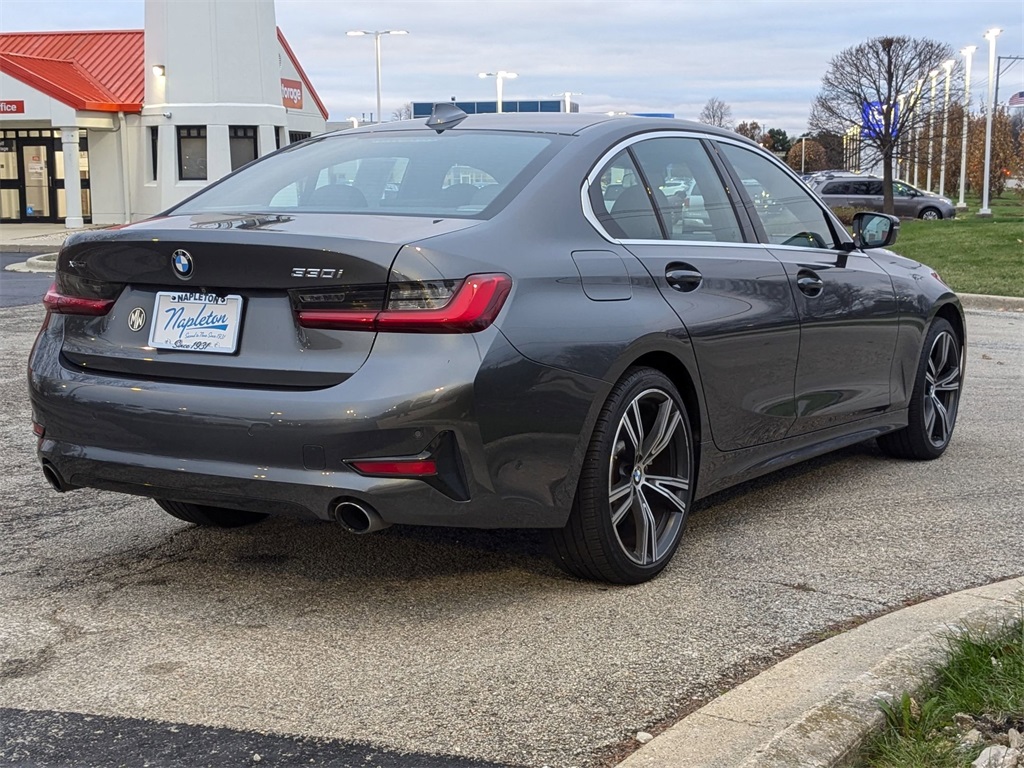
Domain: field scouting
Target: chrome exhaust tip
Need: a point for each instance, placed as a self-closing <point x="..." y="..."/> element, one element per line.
<point x="357" y="517"/>
<point x="54" y="479"/>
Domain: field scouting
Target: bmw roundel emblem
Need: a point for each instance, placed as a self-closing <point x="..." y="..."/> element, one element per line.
<point x="182" y="263"/>
<point x="137" y="319"/>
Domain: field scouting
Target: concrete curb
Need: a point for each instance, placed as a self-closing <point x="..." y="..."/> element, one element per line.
<point x="28" y="249"/>
<point x="46" y="262"/>
<point x="814" y="709"/>
<point x="992" y="303"/>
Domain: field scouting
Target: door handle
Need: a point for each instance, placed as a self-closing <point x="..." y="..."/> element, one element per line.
<point x="809" y="283"/>
<point x="684" y="280"/>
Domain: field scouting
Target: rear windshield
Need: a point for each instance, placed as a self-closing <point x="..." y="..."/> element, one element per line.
<point x="470" y="174"/>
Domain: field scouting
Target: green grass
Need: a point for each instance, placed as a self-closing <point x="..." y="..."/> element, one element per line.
<point x="972" y="255"/>
<point x="983" y="678"/>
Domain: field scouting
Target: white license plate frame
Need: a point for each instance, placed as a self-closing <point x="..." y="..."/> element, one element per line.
<point x="196" y="322"/>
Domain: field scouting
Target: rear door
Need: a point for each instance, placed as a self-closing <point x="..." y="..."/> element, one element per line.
<point x="732" y="296"/>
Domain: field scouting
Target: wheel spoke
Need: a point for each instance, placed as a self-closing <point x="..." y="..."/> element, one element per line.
<point x="943" y="420"/>
<point x="634" y="427"/>
<point x="663" y="431"/>
<point x="950" y="382"/>
<point x="664" y="487"/>
<point x="618" y="514"/>
<point x="646" y="531"/>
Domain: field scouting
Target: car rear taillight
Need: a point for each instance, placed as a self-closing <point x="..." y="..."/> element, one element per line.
<point x="431" y="306"/>
<point x="57" y="302"/>
<point x="71" y="295"/>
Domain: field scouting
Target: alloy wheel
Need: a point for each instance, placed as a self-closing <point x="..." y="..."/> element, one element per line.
<point x="941" y="389"/>
<point x="648" y="477"/>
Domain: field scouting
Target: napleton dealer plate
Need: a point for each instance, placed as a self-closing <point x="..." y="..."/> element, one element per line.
<point x="196" y="322"/>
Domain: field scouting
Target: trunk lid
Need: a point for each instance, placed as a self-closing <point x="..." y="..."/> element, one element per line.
<point x="240" y="274"/>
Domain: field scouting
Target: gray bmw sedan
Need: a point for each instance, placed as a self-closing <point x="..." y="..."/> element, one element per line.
<point x="489" y="321"/>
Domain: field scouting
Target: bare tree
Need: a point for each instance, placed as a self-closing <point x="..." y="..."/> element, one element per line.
<point x="716" y="112"/>
<point x="868" y="85"/>
<point x="403" y="113"/>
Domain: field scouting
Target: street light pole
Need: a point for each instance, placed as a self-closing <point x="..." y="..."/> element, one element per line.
<point x="967" y="53"/>
<point x="948" y="66"/>
<point x="500" y="76"/>
<point x="991" y="36"/>
<point x="376" y="49"/>
<point x="931" y="128"/>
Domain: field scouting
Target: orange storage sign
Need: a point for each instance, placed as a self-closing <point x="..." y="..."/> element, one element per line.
<point x="291" y="93"/>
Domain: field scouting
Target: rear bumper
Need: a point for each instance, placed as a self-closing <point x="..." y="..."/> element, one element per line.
<point x="284" y="451"/>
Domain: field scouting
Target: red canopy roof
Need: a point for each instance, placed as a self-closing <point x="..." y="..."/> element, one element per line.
<point x="101" y="71"/>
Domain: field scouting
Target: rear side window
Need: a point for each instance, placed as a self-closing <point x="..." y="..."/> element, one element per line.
<point x="702" y="213"/>
<point x="836" y="188"/>
<point x="426" y="174"/>
<point x="785" y="207"/>
<point x="664" y="187"/>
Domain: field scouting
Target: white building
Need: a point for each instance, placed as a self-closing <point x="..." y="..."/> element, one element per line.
<point x="111" y="127"/>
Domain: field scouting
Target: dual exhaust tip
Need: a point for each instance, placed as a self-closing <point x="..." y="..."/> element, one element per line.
<point x="357" y="517"/>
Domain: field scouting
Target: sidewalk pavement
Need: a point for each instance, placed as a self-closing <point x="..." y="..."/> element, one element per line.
<point x="34" y="238"/>
<point x="811" y="710"/>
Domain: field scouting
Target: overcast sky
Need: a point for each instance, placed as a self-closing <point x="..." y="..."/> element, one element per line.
<point x="765" y="58"/>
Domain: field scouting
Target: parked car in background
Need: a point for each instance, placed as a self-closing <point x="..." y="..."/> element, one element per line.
<point x="866" y="192"/>
<point x="347" y="329"/>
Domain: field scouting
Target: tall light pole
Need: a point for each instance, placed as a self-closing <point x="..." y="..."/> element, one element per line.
<point x="931" y="128"/>
<point x="991" y="36"/>
<point x="967" y="53"/>
<point x="917" y="129"/>
<point x="500" y="76"/>
<point x="567" y="98"/>
<point x="376" y="47"/>
<point x="948" y="66"/>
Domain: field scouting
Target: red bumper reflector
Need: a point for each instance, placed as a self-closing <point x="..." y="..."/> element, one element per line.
<point x="402" y="468"/>
<point x="57" y="302"/>
<point x="38" y="429"/>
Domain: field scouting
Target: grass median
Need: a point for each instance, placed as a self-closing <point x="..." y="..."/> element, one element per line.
<point x="976" y="705"/>
<point x="972" y="254"/>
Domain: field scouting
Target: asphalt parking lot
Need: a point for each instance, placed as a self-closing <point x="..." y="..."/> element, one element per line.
<point x="463" y="645"/>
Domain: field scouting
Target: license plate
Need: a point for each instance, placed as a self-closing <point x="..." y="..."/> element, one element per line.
<point x="196" y="322"/>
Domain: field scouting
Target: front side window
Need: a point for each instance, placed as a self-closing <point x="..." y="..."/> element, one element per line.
<point x="787" y="211"/>
<point x="191" y="152"/>
<point x="403" y="172"/>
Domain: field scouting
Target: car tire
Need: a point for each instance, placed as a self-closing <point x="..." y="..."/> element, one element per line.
<point x="935" y="399"/>
<point x="635" y="487"/>
<point x="930" y="214"/>
<point x="211" y="517"/>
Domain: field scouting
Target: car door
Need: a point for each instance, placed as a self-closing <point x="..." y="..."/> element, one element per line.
<point x="846" y="302"/>
<point x="903" y="200"/>
<point x="732" y="297"/>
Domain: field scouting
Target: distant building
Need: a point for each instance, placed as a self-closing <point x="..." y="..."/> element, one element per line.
<point x="423" y="108"/>
<point x="110" y="127"/>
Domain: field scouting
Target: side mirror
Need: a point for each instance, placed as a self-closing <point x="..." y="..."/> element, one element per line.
<point x="875" y="230"/>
